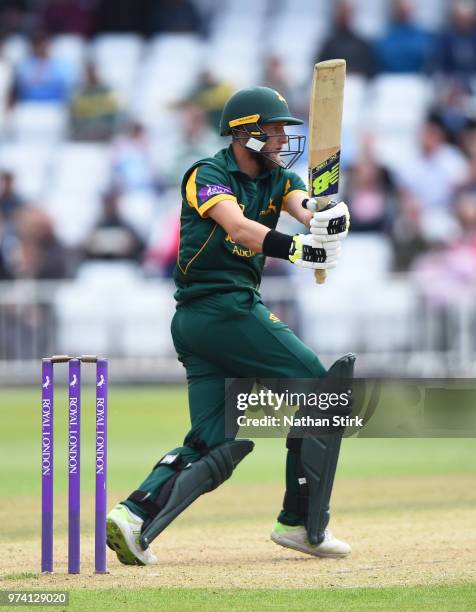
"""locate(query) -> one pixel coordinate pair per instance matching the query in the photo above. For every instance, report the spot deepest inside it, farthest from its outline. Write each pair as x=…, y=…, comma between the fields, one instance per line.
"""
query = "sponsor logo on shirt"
x=209, y=191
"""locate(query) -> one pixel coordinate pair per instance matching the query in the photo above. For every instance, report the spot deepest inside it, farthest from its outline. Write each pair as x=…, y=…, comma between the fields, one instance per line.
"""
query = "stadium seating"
x=397, y=107
x=86, y=321
x=82, y=167
x=366, y=315
x=117, y=57
x=71, y=49
x=31, y=163
x=37, y=122
x=6, y=74
x=140, y=210
x=364, y=309
x=15, y=48
x=371, y=17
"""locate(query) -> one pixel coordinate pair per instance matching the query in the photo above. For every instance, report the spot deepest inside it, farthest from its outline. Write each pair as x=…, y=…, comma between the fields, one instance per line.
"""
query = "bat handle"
x=320, y=276
x=322, y=204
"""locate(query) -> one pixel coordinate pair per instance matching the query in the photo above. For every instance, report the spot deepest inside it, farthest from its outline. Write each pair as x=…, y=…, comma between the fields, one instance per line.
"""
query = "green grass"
x=19, y=576
x=147, y=422
x=438, y=599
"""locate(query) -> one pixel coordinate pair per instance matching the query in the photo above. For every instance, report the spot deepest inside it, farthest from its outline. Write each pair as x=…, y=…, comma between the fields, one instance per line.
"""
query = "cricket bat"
x=325, y=127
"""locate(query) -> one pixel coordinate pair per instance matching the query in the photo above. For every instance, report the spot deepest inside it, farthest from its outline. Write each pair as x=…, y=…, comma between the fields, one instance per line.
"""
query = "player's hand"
x=332, y=223
x=309, y=251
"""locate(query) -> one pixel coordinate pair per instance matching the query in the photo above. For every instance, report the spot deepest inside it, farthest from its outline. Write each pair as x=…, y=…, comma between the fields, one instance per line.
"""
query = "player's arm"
x=247, y=232
x=295, y=208
x=303, y=250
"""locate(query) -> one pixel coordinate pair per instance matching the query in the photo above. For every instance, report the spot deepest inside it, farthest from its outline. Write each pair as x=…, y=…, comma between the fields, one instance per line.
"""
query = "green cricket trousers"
x=230, y=335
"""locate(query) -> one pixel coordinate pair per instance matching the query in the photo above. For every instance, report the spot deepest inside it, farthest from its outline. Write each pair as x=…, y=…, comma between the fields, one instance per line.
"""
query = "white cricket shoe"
x=123, y=531
x=296, y=538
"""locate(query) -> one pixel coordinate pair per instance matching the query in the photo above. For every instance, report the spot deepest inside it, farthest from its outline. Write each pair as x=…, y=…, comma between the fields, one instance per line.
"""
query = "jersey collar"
x=230, y=161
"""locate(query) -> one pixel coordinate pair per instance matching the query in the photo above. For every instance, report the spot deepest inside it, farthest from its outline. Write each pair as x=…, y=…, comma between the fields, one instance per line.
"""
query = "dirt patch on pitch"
x=404, y=531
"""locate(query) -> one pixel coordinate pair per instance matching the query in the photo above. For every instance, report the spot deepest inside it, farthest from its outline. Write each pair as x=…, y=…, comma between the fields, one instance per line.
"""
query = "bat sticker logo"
x=325, y=177
x=46, y=384
x=279, y=96
x=101, y=382
x=74, y=382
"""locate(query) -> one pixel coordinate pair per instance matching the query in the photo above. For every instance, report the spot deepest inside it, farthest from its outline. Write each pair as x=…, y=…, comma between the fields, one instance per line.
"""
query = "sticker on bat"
x=325, y=177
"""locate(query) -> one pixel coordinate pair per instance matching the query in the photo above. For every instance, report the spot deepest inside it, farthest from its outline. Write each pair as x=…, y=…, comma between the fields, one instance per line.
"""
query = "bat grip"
x=320, y=276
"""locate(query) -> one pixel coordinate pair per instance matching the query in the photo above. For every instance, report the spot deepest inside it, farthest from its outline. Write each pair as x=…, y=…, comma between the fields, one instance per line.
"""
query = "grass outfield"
x=449, y=598
x=145, y=423
x=416, y=598
x=389, y=493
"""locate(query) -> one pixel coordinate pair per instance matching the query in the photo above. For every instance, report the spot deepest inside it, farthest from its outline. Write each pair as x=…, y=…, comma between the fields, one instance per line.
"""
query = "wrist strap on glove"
x=277, y=244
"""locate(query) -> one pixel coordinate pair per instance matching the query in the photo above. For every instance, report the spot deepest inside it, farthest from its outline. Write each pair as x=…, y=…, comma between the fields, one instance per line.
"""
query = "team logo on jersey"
x=272, y=208
x=209, y=191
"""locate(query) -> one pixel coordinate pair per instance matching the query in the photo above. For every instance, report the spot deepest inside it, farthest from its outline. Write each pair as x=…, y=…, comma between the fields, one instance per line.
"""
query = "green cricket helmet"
x=255, y=105
x=248, y=110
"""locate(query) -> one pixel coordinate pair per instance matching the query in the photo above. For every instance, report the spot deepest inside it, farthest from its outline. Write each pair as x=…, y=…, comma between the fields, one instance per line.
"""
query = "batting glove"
x=310, y=251
x=332, y=223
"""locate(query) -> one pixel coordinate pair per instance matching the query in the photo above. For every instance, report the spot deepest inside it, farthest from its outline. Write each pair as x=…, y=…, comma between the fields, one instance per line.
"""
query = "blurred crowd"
x=423, y=207
x=90, y=17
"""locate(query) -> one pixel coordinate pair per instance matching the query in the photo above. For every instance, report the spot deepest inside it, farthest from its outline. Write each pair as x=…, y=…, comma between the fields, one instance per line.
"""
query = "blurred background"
x=105, y=103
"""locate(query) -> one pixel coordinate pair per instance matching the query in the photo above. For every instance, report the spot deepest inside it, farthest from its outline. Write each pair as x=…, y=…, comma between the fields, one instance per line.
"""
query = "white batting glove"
x=331, y=223
x=309, y=251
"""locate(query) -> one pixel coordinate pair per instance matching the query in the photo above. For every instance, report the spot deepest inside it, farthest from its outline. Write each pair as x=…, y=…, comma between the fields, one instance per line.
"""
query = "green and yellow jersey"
x=209, y=261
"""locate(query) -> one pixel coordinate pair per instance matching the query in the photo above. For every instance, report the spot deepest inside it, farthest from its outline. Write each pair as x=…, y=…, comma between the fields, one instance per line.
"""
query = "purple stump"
x=74, y=466
x=101, y=466
x=47, y=466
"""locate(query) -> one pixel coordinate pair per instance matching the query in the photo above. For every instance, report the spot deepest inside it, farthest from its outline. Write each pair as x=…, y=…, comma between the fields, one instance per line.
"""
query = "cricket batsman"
x=221, y=329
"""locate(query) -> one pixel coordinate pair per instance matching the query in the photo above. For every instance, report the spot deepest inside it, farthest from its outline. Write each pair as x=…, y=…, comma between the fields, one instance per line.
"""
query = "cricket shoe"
x=296, y=538
x=123, y=530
